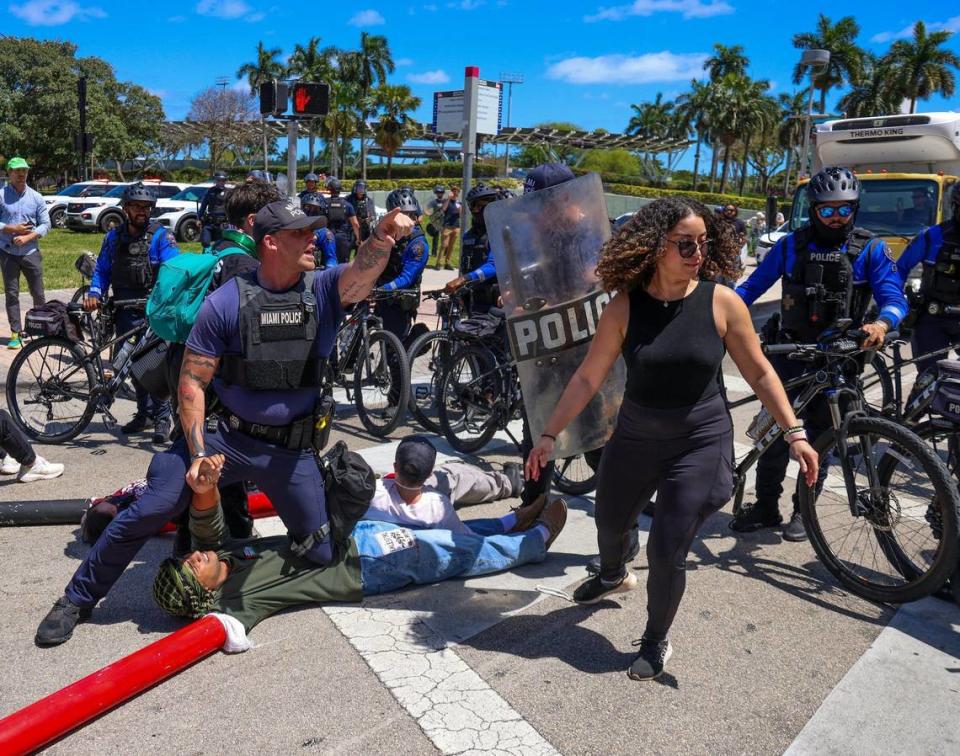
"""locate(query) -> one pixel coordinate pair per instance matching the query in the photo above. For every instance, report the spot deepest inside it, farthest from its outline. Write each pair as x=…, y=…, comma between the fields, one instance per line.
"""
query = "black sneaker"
x=593, y=566
x=794, y=530
x=595, y=590
x=515, y=473
x=651, y=660
x=136, y=425
x=57, y=626
x=756, y=517
x=161, y=430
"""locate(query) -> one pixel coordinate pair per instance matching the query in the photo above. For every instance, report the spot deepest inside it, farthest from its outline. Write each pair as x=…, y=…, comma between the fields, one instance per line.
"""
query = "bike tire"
x=878, y=385
x=392, y=347
x=480, y=362
x=17, y=401
x=79, y=295
x=425, y=408
x=570, y=484
x=917, y=584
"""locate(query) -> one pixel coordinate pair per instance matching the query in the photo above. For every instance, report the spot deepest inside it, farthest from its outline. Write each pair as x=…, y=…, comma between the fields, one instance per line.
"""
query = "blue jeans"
x=392, y=556
x=155, y=409
x=290, y=478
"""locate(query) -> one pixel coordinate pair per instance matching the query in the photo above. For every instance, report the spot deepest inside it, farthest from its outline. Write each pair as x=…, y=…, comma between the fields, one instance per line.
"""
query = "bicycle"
x=370, y=364
x=887, y=528
x=56, y=385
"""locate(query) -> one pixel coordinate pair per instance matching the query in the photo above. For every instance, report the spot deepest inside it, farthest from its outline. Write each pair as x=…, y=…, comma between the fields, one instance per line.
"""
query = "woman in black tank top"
x=673, y=325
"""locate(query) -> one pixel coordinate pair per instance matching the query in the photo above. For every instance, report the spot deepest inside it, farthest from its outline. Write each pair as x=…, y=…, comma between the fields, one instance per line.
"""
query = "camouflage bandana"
x=177, y=591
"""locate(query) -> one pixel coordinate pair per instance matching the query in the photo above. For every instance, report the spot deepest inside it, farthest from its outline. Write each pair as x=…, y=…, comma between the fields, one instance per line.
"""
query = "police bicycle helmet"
x=359, y=185
x=404, y=199
x=139, y=193
x=834, y=184
x=334, y=185
x=480, y=193
x=311, y=177
x=314, y=202
x=439, y=189
x=219, y=176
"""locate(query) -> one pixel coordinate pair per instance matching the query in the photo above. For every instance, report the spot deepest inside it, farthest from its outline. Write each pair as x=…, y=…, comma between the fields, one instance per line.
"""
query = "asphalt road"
x=770, y=653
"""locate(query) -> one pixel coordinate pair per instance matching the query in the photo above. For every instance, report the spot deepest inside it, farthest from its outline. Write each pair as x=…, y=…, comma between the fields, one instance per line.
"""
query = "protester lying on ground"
x=250, y=580
x=18, y=458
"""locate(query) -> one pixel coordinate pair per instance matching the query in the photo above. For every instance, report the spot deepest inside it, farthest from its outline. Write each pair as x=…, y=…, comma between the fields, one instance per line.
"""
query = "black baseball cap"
x=415, y=459
x=283, y=215
x=546, y=175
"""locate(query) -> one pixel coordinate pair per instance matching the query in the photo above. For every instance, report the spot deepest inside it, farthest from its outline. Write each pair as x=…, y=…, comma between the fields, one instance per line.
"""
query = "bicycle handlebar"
x=847, y=343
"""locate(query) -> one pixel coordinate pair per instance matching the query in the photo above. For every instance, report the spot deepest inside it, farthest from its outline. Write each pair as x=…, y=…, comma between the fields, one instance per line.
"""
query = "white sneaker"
x=9, y=466
x=41, y=470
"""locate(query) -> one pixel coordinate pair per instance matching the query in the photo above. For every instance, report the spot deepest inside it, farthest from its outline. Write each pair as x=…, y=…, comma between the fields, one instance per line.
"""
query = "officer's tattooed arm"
x=359, y=276
x=196, y=372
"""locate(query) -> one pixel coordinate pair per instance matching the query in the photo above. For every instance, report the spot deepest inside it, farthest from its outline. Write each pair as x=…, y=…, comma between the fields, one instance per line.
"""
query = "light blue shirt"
x=16, y=208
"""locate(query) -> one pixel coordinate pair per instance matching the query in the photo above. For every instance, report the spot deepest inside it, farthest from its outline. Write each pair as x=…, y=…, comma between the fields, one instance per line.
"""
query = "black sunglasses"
x=688, y=247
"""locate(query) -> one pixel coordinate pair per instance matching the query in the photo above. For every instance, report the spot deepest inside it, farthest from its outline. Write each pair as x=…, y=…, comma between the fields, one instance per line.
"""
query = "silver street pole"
x=292, y=130
x=470, y=96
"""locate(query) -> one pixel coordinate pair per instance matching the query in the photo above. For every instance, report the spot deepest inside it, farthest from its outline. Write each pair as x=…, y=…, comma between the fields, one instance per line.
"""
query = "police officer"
x=435, y=217
x=261, y=340
x=829, y=269
x=476, y=257
x=310, y=182
x=342, y=220
x=213, y=210
x=325, y=245
x=404, y=269
x=938, y=248
x=363, y=206
x=129, y=258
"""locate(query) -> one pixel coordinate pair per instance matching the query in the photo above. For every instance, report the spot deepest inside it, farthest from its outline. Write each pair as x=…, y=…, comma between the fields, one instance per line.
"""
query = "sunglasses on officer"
x=688, y=247
x=828, y=211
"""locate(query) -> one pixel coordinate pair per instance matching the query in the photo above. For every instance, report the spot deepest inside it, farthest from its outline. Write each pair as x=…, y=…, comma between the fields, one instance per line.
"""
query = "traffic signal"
x=273, y=98
x=311, y=99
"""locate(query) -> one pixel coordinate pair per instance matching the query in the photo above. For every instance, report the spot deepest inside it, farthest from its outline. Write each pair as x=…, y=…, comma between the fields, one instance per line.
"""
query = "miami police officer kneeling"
x=261, y=340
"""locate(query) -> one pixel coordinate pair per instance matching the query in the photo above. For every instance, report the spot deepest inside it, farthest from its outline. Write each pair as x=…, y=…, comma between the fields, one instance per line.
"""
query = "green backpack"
x=182, y=283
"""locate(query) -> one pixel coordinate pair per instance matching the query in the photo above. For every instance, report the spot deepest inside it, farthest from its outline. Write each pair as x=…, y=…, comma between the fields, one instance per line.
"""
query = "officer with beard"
x=829, y=270
x=213, y=210
x=363, y=206
x=476, y=257
x=128, y=263
x=938, y=248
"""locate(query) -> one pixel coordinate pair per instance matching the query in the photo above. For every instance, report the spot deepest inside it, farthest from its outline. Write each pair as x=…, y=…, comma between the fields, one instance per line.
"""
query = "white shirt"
x=432, y=511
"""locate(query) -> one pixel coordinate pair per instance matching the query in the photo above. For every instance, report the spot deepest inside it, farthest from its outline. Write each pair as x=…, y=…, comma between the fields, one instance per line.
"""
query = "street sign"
x=448, y=115
x=311, y=99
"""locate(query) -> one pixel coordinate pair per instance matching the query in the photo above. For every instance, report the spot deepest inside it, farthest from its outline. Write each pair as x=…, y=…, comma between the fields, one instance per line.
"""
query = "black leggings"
x=685, y=456
x=13, y=442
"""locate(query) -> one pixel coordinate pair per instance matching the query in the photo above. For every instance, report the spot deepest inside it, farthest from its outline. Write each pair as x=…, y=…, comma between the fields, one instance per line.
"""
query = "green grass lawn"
x=61, y=247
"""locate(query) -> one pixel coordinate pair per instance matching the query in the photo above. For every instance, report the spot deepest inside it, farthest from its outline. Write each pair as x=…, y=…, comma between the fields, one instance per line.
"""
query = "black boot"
x=57, y=626
x=136, y=425
x=756, y=517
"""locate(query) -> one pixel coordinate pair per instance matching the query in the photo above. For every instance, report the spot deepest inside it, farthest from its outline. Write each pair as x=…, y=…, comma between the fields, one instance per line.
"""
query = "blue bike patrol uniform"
x=404, y=271
x=938, y=250
x=326, y=248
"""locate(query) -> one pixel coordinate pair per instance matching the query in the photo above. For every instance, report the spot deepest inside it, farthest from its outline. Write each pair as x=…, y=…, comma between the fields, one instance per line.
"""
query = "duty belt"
x=296, y=435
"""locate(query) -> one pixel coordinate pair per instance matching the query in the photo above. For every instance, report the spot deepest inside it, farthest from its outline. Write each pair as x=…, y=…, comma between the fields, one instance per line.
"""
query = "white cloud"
x=403, y=62
x=367, y=18
x=223, y=8
x=255, y=17
x=466, y=4
x=429, y=77
x=688, y=8
x=54, y=12
x=950, y=25
x=629, y=69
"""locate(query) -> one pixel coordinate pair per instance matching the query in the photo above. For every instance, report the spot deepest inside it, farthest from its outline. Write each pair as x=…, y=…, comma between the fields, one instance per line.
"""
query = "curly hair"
x=630, y=257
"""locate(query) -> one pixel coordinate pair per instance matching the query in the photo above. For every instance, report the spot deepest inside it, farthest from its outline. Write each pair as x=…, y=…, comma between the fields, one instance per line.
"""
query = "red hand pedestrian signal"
x=311, y=99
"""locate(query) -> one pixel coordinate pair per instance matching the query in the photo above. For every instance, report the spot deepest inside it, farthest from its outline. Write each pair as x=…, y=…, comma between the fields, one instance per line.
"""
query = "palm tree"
x=375, y=63
x=846, y=57
x=394, y=103
x=310, y=62
x=726, y=60
x=920, y=67
x=876, y=94
x=655, y=120
x=264, y=69
x=693, y=109
x=741, y=109
x=793, y=113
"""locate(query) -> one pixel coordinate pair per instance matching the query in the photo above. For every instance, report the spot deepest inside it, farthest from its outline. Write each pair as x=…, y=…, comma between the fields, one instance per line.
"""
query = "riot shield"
x=546, y=245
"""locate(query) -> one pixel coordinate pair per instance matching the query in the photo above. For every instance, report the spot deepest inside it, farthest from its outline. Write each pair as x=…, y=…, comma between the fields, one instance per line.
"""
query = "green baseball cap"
x=16, y=162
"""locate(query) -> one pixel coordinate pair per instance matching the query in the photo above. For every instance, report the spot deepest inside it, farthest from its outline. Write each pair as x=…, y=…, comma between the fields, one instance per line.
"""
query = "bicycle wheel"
x=574, y=476
x=469, y=391
x=877, y=385
x=427, y=356
x=884, y=546
x=50, y=390
x=381, y=383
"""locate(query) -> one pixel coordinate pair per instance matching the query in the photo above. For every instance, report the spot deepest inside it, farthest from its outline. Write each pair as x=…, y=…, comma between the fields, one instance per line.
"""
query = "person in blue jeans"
x=250, y=580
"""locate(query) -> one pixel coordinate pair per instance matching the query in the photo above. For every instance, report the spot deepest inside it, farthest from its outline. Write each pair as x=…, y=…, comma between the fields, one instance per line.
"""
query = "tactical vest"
x=217, y=206
x=277, y=335
x=364, y=208
x=395, y=263
x=473, y=254
x=131, y=271
x=336, y=211
x=820, y=287
x=941, y=281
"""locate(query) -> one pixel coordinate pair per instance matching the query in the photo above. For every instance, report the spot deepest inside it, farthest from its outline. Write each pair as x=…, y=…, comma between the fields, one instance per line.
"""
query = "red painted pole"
x=257, y=502
x=40, y=723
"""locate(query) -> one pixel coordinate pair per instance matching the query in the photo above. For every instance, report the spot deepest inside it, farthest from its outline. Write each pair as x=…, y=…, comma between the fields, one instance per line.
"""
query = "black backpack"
x=349, y=484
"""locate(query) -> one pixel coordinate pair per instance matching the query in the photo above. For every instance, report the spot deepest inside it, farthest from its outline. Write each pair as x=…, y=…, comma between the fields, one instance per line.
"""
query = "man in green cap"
x=23, y=220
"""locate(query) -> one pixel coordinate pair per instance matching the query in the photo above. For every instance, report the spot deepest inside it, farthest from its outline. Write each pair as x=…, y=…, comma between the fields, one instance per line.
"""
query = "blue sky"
x=583, y=61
